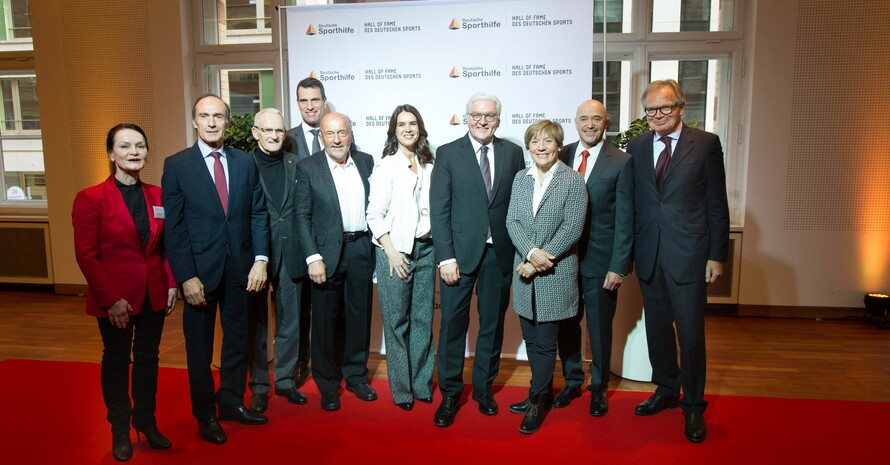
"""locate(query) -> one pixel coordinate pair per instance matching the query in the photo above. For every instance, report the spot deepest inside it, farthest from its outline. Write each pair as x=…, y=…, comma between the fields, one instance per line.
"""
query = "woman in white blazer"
x=399, y=220
x=545, y=218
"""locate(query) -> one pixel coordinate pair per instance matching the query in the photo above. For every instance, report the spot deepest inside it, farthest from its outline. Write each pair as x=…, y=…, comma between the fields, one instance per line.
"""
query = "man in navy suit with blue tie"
x=682, y=237
x=217, y=242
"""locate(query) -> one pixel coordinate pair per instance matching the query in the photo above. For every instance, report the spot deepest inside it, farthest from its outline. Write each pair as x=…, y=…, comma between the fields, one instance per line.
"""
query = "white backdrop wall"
x=534, y=55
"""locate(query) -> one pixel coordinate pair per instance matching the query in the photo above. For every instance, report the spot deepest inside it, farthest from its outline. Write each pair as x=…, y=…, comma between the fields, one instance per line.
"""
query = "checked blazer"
x=555, y=229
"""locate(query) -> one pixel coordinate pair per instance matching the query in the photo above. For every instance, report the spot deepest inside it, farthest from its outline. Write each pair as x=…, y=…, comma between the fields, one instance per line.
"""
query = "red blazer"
x=110, y=253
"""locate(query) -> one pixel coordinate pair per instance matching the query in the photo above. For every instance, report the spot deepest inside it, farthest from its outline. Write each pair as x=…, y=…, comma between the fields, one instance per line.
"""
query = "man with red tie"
x=217, y=241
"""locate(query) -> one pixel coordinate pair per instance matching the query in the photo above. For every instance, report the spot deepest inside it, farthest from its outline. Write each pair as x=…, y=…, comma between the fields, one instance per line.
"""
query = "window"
x=246, y=88
x=692, y=15
x=21, y=148
x=699, y=43
x=236, y=21
x=15, y=26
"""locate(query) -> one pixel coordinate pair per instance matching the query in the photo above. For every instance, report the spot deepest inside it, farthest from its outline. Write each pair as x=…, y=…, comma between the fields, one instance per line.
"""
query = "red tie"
x=583, y=168
x=219, y=178
x=661, y=165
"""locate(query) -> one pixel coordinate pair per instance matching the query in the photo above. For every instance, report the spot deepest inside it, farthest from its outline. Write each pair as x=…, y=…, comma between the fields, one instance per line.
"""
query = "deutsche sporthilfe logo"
x=311, y=31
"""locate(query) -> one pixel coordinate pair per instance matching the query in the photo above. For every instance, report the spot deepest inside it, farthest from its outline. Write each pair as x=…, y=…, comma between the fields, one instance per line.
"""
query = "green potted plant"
x=238, y=134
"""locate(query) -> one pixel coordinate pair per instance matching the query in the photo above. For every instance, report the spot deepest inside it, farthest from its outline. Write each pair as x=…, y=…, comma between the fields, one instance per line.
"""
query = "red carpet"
x=54, y=415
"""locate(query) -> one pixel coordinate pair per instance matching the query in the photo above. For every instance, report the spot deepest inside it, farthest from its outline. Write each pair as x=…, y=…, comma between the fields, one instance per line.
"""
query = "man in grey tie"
x=469, y=195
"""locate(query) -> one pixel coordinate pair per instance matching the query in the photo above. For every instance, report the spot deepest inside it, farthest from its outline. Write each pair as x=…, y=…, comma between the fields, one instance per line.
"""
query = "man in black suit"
x=682, y=238
x=304, y=140
x=469, y=196
x=287, y=267
x=332, y=197
x=604, y=250
x=217, y=241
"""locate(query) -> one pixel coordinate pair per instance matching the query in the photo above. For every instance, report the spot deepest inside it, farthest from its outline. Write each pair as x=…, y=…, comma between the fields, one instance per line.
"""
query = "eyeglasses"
x=489, y=117
x=270, y=131
x=665, y=110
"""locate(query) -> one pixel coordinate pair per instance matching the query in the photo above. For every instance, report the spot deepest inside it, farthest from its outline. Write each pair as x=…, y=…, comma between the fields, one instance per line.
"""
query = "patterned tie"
x=219, y=178
x=316, y=147
x=485, y=168
x=661, y=165
x=583, y=168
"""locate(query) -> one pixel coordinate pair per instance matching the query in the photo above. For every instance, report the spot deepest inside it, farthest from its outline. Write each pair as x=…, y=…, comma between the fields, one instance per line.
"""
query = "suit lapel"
x=301, y=140
x=116, y=203
x=499, y=168
x=150, y=203
x=289, y=168
x=647, y=152
x=602, y=160
x=471, y=164
x=684, y=147
x=202, y=176
x=235, y=174
x=329, y=188
x=559, y=170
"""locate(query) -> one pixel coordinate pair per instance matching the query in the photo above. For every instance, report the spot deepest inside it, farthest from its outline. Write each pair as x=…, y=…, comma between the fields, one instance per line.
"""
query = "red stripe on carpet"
x=55, y=415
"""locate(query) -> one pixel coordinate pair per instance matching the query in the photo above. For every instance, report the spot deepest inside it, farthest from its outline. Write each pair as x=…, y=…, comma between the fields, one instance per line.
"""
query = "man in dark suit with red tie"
x=217, y=241
x=682, y=238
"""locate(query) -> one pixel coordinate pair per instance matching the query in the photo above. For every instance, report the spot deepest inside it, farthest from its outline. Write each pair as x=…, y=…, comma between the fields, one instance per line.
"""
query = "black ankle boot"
x=538, y=406
x=155, y=439
x=121, y=447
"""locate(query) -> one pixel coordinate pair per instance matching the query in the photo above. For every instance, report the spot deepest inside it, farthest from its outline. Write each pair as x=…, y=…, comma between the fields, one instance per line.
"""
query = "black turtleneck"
x=271, y=169
x=135, y=200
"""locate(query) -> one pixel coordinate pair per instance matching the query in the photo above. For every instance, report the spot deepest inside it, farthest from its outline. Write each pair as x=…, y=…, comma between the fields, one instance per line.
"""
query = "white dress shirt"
x=593, y=152
x=540, y=188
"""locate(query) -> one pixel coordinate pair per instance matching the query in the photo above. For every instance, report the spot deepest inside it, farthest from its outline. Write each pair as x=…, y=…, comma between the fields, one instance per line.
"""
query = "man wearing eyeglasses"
x=217, y=240
x=286, y=270
x=469, y=196
x=332, y=197
x=682, y=238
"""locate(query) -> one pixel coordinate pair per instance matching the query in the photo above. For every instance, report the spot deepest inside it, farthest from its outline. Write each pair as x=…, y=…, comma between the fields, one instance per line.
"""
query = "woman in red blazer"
x=118, y=241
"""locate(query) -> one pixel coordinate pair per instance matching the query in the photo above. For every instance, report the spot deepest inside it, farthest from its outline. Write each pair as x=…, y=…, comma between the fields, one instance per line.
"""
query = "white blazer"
x=393, y=206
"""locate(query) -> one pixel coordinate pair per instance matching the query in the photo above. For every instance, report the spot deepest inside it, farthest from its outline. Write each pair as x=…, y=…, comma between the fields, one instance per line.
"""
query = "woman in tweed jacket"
x=547, y=209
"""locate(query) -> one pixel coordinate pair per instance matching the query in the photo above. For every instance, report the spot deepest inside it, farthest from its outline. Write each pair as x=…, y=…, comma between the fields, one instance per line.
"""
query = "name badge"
x=159, y=212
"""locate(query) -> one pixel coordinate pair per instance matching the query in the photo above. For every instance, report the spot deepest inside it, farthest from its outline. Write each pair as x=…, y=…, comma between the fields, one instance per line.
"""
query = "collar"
x=593, y=151
x=477, y=145
x=675, y=135
x=206, y=149
x=332, y=164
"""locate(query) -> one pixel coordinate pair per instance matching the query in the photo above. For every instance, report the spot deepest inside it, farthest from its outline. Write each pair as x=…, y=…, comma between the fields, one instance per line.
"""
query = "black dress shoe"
x=405, y=405
x=330, y=401
x=259, y=403
x=446, y=411
x=363, y=391
x=696, y=430
x=293, y=395
x=212, y=431
x=300, y=375
x=425, y=400
x=487, y=405
x=155, y=439
x=121, y=447
x=520, y=407
x=599, y=404
x=656, y=404
x=566, y=396
x=242, y=415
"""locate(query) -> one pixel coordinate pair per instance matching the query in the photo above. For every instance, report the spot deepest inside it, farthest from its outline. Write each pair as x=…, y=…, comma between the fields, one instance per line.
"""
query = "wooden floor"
x=771, y=357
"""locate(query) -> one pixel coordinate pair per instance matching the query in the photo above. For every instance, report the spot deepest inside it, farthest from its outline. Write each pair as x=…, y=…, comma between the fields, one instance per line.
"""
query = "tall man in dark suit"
x=332, y=197
x=604, y=250
x=217, y=241
x=287, y=267
x=304, y=140
x=682, y=238
x=469, y=196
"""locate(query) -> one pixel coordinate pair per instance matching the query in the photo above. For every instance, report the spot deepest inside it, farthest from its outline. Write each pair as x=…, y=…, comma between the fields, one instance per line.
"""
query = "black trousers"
x=599, y=306
x=668, y=304
x=493, y=294
x=540, y=345
x=341, y=319
x=143, y=334
x=198, y=327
